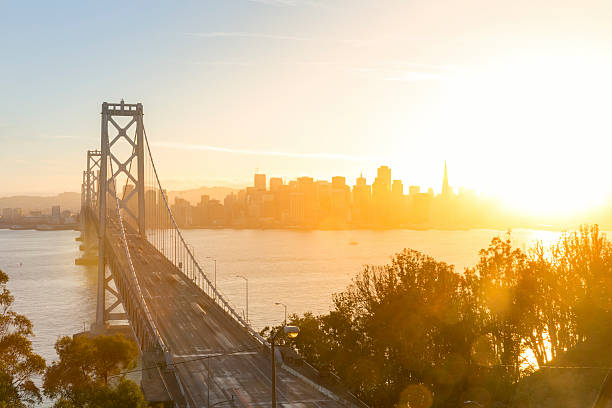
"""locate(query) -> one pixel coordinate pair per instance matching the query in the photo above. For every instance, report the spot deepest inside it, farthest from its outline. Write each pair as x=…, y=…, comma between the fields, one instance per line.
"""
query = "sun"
x=534, y=131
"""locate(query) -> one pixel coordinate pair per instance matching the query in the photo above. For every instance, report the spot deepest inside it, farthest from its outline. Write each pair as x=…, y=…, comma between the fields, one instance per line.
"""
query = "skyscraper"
x=259, y=180
x=446, y=191
x=361, y=181
x=383, y=176
x=338, y=182
x=275, y=183
x=362, y=196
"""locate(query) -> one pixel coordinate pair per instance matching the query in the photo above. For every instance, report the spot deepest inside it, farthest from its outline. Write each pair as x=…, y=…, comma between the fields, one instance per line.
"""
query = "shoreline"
x=41, y=227
x=400, y=228
x=76, y=227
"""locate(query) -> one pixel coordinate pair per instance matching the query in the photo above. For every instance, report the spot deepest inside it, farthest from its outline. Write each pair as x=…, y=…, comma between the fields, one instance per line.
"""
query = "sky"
x=514, y=95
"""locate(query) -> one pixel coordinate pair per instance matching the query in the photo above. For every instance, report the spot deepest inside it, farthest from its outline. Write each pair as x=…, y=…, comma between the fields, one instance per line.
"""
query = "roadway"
x=202, y=338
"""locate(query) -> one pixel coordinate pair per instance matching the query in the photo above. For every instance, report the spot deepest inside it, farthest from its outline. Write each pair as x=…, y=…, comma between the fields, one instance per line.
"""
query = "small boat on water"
x=20, y=227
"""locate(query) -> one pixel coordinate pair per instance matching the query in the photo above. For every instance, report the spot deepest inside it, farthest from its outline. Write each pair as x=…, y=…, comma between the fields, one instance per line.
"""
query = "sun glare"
x=536, y=131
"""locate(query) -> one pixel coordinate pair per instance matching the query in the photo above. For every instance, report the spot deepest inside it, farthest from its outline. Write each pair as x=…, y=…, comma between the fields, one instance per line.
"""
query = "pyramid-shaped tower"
x=446, y=190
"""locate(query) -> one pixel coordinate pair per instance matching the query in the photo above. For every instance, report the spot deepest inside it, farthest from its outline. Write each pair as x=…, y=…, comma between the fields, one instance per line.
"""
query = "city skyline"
x=255, y=84
x=498, y=213
x=386, y=202
x=306, y=203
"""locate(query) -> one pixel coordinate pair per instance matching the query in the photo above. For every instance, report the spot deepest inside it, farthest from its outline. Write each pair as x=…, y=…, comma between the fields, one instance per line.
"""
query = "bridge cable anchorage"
x=219, y=298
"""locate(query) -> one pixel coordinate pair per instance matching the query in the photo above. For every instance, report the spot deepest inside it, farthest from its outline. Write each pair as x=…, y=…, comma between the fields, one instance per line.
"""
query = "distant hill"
x=67, y=201
x=72, y=201
x=193, y=196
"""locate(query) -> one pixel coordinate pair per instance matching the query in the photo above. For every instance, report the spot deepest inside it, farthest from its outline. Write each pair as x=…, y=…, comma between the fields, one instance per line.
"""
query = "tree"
x=81, y=376
x=18, y=362
x=396, y=334
x=416, y=333
x=501, y=291
x=126, y=394
x=113, y=354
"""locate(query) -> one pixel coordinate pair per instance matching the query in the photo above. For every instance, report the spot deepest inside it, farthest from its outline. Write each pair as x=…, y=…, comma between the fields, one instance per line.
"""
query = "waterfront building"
x=275, y=184
x=56, y=215
x=296, y=207
x=383, y=176
x=182, y=212
x=259, y=181
x=362, y=199
x=306, y=186
x=381, y=189
x=340, y=199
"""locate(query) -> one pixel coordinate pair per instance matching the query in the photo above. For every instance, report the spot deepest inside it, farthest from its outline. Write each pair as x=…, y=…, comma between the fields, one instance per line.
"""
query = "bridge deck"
x=194, y=328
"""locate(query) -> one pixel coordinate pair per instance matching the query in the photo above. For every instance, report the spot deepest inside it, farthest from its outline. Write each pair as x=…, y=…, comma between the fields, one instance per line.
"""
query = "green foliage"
x=18, y=362
x=415, y=333
x=126, y=394
x=81, y=376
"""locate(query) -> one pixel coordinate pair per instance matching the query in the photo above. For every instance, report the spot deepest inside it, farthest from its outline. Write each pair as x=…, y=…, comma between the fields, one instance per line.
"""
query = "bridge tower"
x=108, y=196
x=89, y=197
x=89, y=188
x=91, y=178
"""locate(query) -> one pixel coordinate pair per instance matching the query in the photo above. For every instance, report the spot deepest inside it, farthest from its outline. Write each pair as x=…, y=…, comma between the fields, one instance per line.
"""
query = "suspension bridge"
x=197, y=350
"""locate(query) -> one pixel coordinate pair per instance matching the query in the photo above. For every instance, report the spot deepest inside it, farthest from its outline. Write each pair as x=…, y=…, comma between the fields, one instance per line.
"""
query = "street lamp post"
x=285, y=306
x=247, y=296
x=215, y=261
x=291, y=332
x=192, y=250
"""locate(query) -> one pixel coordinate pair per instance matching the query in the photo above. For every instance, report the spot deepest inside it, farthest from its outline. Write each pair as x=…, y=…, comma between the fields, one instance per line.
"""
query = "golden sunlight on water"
x=302, y=269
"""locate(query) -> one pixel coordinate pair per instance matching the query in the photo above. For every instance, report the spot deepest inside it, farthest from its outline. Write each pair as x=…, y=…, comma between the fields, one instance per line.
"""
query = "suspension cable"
x=177, y=234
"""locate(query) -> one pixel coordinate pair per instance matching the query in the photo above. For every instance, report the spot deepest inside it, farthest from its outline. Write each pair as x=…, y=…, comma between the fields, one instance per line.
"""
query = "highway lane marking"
x=292, y=404
x=204, y=355
x=196, y=305
x=267, y=380
x=241, y=397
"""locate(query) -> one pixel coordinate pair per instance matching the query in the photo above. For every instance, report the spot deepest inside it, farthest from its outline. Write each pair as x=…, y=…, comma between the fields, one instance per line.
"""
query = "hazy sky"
x=515, y=95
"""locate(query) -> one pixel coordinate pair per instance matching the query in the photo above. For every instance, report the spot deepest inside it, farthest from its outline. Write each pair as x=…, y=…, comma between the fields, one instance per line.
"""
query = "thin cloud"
x=310, y=3
x=433, y=67
x=58, y=137
x=406, y=75
x=381, y=74
x=226, y=63
x=415, y=76
x=324, y=156
x=269, y=63
x=280, y=37
x=244, y=34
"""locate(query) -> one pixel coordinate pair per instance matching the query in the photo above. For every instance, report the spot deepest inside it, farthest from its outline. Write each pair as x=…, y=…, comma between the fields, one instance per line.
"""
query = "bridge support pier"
x=152, y=382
